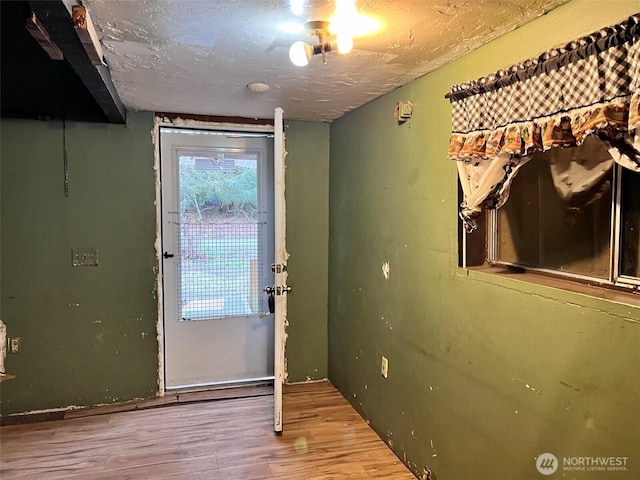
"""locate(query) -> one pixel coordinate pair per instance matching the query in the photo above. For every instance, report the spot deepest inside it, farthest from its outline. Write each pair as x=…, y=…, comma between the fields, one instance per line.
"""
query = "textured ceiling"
x=197, y=56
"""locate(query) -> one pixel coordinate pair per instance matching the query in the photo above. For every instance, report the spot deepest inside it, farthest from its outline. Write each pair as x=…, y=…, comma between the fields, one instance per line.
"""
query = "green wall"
x=307, y=196
x=88, y=333
x=485, y=372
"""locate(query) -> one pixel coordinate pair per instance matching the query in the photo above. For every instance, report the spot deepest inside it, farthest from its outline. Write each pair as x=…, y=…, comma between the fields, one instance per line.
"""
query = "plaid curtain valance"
x=590, y=86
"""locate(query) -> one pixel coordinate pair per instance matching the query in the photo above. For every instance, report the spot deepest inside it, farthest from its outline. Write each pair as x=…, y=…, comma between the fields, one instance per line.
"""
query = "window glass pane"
x=476, y=242
x=219, y=236
x=630, y=228
x=563, y=226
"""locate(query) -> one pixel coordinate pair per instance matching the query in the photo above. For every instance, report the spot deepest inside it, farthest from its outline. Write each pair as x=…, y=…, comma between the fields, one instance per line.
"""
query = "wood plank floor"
x=324, y=439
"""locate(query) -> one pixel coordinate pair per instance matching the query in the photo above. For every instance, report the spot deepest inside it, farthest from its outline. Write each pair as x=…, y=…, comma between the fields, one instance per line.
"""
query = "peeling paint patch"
x=526, y=385
x=533, y=389
x=569, y=386
x=386, y=270
x=590, y=422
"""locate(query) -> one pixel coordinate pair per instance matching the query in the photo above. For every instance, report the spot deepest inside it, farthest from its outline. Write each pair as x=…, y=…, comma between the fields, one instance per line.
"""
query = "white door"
x=280, y=267
x=217, y=244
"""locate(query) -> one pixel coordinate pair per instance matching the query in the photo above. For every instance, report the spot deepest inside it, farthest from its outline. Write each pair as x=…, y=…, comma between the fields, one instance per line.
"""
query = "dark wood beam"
x=57, y=20
x=40, y=35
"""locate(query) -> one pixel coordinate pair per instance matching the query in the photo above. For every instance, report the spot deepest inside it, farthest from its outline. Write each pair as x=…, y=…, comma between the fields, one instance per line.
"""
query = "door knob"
x=271, y=299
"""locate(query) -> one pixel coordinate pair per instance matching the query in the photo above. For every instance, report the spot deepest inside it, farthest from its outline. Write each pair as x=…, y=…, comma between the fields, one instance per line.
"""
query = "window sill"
x=498, y=274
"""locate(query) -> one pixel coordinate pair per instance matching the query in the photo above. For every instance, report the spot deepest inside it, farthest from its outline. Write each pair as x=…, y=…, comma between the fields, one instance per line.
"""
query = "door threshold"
x=224, y=393
x=212, y=386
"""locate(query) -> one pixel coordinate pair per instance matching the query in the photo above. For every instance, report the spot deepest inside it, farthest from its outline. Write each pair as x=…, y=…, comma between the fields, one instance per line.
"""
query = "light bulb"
x=300, y=53
x=345, y=43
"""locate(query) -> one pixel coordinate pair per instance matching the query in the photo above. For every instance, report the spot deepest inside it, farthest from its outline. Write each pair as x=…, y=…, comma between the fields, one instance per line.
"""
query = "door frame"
x=266, y=127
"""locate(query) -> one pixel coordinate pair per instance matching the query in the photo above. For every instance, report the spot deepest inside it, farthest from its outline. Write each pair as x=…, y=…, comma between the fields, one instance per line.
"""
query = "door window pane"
x=219, y=264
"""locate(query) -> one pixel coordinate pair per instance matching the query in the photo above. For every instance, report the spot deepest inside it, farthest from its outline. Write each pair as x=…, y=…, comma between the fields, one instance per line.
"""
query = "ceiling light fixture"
x=338, y=33
x=301, y=52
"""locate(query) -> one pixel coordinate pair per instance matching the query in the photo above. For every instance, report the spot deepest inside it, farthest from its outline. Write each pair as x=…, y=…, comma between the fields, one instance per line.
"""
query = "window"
x=630, y=225
x=571, y=212
x=574, y=208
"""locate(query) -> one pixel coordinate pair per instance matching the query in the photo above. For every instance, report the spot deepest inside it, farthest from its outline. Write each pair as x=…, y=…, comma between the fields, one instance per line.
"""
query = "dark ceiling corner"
x=35, y=86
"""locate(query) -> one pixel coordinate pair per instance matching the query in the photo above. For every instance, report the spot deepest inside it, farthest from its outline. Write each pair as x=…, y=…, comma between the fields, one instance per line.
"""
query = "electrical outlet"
x=14, y=345
x=384, y=368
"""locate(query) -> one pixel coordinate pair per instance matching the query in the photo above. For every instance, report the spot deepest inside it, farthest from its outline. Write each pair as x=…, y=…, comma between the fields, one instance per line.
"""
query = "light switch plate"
x=384, y=367
x=405, y=110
